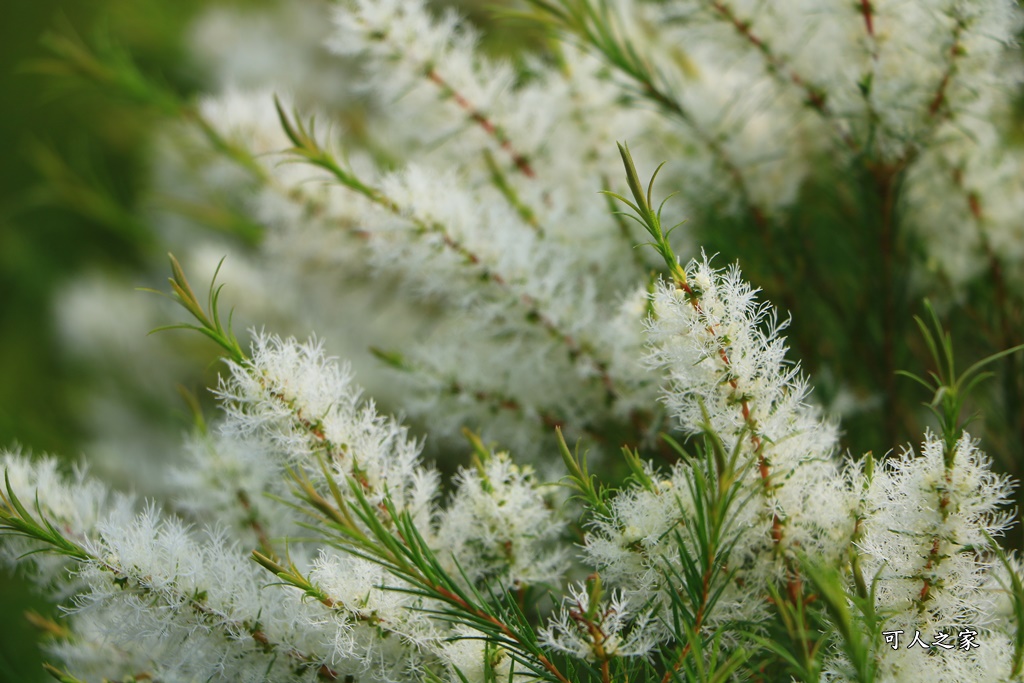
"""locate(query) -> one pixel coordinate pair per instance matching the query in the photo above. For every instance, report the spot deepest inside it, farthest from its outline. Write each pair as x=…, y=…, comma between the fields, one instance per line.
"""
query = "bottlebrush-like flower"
x=588, y=627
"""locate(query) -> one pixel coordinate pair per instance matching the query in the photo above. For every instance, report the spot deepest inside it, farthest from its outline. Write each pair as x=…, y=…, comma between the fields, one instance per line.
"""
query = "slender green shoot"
x=210, y=323
x=950, y=390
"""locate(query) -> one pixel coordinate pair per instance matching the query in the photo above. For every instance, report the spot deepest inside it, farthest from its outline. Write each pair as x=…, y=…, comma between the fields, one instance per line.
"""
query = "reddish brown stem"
x=814, y=96
x=744, y=405
x=867, y=11
x=940, y=92
x=794, y=584
x=533, y=311
x=934, y=554
x=938, y=110
x=521, y=162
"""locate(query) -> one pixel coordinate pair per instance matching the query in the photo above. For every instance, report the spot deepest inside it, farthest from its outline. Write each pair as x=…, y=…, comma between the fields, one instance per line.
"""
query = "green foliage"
x=649, y=217
x=704, y=545
x=69, y=179
x=210, y=323
x=580, y=480
x=1014, y=587
x=949, y=390
x=17, y=520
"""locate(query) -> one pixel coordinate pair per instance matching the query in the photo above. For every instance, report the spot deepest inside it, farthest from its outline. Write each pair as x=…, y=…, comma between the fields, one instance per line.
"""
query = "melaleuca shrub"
x=633, y=478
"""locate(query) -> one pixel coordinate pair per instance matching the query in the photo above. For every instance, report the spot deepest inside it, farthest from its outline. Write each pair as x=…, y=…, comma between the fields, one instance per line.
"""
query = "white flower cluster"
x=922, y=525
x=464, y=239
x=724, y=358
x=599, y=631
x=772, y=85
x=468, y=223
x=925, y=523
x=498, y=523
x=298, y=405
x=153, y=594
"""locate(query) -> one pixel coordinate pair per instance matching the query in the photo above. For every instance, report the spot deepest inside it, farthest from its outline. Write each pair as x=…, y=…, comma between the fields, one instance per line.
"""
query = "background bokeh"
x=57, y=138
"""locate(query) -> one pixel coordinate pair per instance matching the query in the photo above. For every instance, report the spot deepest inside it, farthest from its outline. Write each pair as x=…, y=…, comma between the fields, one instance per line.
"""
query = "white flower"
x=596, y=632
x=500, y=528
x=301, y=406
x=926, y=527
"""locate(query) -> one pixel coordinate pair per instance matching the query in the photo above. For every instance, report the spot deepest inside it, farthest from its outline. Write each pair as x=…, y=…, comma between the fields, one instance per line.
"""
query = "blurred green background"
x=55, y=137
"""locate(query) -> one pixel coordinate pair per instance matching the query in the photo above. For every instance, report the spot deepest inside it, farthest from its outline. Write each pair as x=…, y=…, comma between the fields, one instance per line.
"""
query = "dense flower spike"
x=724, y=357
x=303, y=406
x=938, y=540
x=910, y=100
x=925, y=541
x=287, y=408
x=477, y=209
x=725, y=361
x=497, y=524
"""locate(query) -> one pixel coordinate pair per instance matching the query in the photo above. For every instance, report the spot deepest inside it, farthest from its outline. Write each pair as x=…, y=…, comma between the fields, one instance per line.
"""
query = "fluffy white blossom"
x=602, y=630
x=725, y=361
x=183, y=604
x=303, y=406
x=500, y=526
x=926, y=523
x=75, y=505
